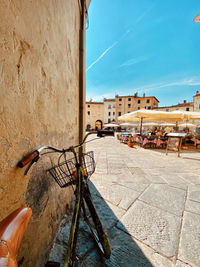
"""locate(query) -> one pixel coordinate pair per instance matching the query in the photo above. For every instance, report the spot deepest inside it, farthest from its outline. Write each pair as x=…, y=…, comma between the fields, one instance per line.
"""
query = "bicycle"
x=75, y=171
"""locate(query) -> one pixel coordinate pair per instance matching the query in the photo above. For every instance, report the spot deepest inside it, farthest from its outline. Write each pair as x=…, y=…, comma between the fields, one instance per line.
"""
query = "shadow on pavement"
x=125, y=251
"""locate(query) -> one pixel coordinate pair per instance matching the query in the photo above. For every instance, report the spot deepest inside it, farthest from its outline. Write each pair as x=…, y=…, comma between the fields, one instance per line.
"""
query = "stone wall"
x=39, y=67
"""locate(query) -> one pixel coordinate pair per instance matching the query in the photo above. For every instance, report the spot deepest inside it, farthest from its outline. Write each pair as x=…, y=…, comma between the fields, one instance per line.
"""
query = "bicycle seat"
x=12, y=229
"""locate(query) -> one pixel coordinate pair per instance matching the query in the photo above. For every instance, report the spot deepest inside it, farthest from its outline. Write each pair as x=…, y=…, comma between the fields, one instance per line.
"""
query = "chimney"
x=136, y=94
x=197, y=93
x=184, y=101
x=144, y=95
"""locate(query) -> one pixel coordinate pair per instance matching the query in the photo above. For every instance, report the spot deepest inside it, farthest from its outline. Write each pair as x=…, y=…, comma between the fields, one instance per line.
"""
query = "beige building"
x=126, y=104
x=186, y=106
x=40, y=104
x=196, y=100
x=94, y=115
x=109, y=110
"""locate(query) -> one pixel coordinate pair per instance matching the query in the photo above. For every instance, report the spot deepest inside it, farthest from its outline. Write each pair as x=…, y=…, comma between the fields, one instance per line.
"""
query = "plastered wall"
x=39, y=68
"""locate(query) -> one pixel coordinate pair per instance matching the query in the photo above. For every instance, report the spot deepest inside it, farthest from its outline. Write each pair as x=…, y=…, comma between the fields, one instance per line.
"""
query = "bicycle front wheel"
x=99, y=234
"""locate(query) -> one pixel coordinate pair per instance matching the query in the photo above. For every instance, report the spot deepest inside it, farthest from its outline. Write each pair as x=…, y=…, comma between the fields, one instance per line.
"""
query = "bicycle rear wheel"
x=99, y=234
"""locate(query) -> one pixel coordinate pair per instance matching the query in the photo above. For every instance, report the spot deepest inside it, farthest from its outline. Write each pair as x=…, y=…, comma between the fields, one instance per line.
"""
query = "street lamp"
x=197, y=19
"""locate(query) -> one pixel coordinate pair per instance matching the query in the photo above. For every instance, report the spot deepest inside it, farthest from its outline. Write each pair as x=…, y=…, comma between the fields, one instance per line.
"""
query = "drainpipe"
x=81, y=71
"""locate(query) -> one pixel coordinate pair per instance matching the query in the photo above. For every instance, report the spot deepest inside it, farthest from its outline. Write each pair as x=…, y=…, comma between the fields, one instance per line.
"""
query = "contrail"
x=106, y=51
x=102, y=55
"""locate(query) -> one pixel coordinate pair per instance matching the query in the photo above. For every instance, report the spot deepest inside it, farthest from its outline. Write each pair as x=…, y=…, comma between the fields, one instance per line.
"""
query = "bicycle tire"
x=101, y=238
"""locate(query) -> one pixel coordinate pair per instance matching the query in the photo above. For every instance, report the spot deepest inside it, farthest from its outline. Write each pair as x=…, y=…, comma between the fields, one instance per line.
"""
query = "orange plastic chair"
x=12, y=229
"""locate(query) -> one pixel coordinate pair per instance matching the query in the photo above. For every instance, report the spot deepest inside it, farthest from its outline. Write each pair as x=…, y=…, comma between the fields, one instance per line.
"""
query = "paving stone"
x=58, y=254
x=127, y=195
x=108, y=213
x=190, y=178
x=192, y=206
x=131, y=178
x=101, y=170
x=133, y=252
x=165, y=197
x=154, y=227
x=134, y=186
x=155, y=179
x=182, y=264
x=194, y=192
x=173, y=179
x=137, y=171
x=180, y=186
x=189, y=248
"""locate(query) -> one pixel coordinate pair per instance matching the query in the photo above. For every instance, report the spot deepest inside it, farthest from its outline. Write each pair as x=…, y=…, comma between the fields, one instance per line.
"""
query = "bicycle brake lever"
x=30, y=165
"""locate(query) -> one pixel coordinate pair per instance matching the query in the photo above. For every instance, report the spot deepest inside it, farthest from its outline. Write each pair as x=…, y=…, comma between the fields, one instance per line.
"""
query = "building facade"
x=39, y=92
x=186, y=106
x=109, y=110
x=196, y=100
x=126, y=104
x=94, y=115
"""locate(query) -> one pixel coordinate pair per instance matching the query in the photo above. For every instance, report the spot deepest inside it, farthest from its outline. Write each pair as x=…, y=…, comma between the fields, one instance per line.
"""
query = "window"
x=120, y=105
x=113, y=113
x=129, y=105
x=187, y=109
x=148, y=101
x=109, y=113
x=114, y=106
x=167, y=109
x=138, y=101
x=120, y=99
x=88, y=112
x=129, y=99
x=145, y=107
x=109, y=106
x=128, y=111
x=119, y=114
x=109, y=120
x=149, y=107
x=88, y=106
x=138, y=108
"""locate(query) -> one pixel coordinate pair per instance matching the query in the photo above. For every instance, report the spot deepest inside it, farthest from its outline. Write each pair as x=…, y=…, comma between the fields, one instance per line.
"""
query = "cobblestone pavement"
x=149, y=204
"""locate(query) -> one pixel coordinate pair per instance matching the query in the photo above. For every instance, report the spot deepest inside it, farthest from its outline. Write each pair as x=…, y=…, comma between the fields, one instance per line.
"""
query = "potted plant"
x=130, y=141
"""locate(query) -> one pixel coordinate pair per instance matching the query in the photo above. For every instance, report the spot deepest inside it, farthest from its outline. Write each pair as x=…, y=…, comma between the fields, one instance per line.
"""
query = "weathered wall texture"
x=39, y=68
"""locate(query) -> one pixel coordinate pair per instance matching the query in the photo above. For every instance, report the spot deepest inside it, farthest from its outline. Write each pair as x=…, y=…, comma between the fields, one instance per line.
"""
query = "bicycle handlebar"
x=35, y=155
x=31, y=156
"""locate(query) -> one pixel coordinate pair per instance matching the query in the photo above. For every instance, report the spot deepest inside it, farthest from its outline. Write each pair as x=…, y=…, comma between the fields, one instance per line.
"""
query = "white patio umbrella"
x=188, y=115
x=168, y=124
x=152, y=115
x=187, y=125
x=129, y=124
x=111, y=125
x=151, y=124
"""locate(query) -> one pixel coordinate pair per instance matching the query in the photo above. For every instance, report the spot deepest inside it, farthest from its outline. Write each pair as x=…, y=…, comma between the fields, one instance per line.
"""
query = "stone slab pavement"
x=149, y=204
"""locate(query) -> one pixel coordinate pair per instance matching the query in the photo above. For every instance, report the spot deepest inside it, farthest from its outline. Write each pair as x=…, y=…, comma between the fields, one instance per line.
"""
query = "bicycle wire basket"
x=64, y=173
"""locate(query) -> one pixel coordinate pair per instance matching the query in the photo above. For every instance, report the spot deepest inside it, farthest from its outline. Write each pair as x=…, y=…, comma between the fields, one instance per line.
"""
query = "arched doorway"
x=98, y=125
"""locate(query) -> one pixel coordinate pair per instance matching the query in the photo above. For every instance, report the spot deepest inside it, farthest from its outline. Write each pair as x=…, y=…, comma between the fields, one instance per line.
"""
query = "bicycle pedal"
x=52, y=264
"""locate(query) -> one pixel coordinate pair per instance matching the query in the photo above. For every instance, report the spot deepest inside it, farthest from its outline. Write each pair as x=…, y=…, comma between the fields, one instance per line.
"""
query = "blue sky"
x=144, y=46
